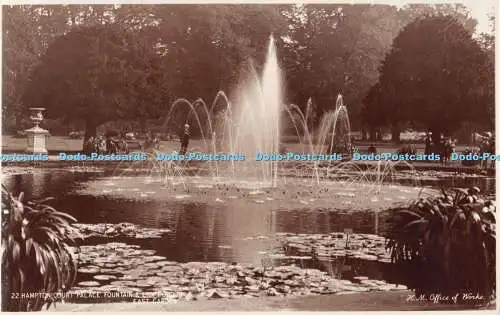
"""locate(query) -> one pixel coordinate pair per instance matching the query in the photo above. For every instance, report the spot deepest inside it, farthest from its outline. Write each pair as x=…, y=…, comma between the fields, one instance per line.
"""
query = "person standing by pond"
x=487, y=146
x=428, y=143
x=185, y=139
x=148, y=141
x=372, y=149
x=492, y=149
x=449, y=148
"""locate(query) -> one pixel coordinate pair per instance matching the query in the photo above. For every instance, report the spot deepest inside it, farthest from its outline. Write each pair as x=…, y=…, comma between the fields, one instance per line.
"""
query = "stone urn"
x=37, y=137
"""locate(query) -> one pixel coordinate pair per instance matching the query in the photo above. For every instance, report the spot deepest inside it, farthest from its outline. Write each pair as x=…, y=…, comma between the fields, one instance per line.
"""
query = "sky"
x=480, y=10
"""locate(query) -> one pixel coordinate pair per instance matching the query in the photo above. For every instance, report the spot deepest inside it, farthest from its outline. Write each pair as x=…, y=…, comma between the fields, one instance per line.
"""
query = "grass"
x=65, y=144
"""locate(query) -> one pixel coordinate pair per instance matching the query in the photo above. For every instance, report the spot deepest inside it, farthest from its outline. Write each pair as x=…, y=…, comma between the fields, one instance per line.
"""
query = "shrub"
x=446, y=244
x=37, y=258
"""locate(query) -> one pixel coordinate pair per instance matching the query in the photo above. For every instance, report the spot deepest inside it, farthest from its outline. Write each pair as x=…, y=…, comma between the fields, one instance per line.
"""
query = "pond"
x=224, y=223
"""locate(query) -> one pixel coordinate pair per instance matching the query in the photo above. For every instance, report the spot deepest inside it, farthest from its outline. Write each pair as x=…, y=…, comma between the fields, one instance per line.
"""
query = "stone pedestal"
x=37, y=137
x=37, y=140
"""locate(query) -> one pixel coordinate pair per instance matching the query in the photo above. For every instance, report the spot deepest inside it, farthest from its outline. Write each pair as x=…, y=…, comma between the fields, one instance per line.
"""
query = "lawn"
x=65, y=144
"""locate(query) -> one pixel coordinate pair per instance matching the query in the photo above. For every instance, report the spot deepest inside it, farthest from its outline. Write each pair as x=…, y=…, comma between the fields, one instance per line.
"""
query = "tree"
x=27, y=31
x=323, y=49
x=208, y=46
x=435, y=75
x=337, y=48
x=373, y=110
x=458, y=11
x=94, y=74
x=487, y=41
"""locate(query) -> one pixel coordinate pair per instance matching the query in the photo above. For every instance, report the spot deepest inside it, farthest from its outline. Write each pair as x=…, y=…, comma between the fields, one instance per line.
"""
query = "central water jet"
x=258, y=128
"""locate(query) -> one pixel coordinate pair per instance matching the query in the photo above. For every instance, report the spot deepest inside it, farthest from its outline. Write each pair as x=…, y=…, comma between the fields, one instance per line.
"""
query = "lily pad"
x=89, y=284
x=88, y=269
x=104, y=277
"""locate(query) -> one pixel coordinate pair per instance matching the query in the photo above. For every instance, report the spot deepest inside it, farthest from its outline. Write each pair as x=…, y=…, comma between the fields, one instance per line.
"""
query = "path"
x=371, y=301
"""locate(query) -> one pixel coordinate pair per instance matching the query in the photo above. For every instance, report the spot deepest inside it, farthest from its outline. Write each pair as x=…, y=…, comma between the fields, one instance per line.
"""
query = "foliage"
x=208, y=46
x=94, y=74
x=372, y=104
x=192, y=51
x=458, y=11
x=447, y=243
x=28, y=30
x=434, y=54
x=487, y=42
x=25, y=37
x=37, y=257
x=336, y=48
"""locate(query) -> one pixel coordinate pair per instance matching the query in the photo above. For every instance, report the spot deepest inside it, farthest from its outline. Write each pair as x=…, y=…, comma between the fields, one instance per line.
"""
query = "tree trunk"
x=143, y=125
x=436, y=135
x=90, y=130
x=373, y=134
x=436, y=140
x=395, y=133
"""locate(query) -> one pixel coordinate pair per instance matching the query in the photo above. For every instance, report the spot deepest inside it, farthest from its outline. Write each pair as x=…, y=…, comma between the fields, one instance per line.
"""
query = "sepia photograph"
x=314, y=156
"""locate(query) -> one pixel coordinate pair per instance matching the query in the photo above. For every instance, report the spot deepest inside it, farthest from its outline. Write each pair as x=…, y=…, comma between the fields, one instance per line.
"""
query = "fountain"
x=36, y=135
x=252, y=125
x=227, y=211
x=257, y=129
x=335, y=130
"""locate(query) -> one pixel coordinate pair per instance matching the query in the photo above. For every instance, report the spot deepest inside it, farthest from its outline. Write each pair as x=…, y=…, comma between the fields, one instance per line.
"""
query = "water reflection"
x=200, y=231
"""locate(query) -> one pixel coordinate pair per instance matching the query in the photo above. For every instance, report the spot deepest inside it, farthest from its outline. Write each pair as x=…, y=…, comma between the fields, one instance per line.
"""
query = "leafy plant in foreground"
x=446, y=244
x=37, y=258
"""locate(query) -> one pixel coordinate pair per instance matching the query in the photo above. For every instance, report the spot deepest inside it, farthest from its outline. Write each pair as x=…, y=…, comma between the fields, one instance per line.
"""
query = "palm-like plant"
x=447, y=243
x=37, y=258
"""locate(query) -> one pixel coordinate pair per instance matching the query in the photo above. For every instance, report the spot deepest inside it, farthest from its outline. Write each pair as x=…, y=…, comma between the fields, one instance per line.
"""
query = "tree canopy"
x=95, y=74
x=436, y=75
x=164, y=52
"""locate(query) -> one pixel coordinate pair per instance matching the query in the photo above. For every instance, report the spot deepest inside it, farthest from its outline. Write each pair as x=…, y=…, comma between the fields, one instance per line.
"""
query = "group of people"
x=108, y=144
x=445, y=147
x=113, y=142
x=152, y=141
x=486, y=144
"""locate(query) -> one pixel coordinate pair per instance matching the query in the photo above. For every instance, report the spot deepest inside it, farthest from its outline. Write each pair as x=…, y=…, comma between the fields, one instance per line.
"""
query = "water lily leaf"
x=44, y=200
x=415, y=222
x=411, y=213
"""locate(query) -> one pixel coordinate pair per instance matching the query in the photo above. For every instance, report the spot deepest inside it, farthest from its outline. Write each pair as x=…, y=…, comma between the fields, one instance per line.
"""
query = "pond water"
x=179, y=237
x=208, y=224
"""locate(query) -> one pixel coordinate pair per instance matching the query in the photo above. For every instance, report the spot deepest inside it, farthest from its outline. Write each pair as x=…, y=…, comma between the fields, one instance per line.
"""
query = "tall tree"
x=373, y=112
x=458, y=11
x=27, y=32
x=94, y=74
x=434, y=75
x=487, y=41
x=209, y=45
x=324, y=49
x=337, y=48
